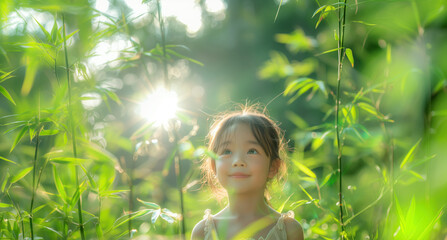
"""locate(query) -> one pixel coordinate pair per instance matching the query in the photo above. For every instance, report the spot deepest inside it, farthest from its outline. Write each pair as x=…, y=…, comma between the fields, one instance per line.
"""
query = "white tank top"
x=278, y=232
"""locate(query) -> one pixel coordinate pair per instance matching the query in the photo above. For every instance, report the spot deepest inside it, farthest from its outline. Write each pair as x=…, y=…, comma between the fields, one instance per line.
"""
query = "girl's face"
x=242, y=166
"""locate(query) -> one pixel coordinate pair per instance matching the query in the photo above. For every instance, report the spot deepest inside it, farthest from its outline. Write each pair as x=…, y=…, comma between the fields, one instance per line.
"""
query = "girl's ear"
x=274, y=167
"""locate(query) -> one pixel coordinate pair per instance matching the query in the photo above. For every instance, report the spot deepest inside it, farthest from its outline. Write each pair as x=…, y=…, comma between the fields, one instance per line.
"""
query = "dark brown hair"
x=264, y=129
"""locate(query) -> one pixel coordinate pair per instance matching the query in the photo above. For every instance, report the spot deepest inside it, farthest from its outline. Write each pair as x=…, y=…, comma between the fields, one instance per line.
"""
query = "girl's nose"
x=239, y=161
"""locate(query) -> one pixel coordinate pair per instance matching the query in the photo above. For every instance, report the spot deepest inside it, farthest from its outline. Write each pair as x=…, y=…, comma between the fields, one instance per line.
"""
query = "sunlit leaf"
x=68, y=160
x=280, y=209
x=7, y=160
x=47, y=34
x=167, y=218
x=20, y=175
x=348, y=52
x=19, y=137
x=59, y=185
x=409, y=155
x=305, y=169
x=6, y=94
x=150, y=204
x=155, y=215
x=4, y=205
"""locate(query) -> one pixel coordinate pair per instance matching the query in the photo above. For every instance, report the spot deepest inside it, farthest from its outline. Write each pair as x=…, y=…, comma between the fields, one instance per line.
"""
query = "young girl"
x=248, y=145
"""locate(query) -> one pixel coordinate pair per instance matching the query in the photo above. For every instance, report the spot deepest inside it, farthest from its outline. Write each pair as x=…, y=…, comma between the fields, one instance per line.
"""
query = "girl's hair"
x=264, y=129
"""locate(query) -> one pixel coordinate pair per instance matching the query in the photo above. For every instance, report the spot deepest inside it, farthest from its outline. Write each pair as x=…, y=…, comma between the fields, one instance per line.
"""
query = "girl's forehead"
x=236, y=130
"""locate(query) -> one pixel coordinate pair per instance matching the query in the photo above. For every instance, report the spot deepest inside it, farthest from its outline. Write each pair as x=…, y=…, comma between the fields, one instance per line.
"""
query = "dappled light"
x=120, y=119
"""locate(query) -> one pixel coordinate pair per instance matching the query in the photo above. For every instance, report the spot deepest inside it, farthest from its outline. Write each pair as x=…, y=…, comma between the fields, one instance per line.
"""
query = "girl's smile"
x=243, y=166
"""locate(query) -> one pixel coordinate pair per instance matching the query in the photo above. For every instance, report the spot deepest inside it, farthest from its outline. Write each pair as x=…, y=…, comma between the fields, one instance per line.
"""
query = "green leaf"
x=308, y=195
x=113, y=96
x=150, y=204
x=280, y=209
x=5, y=159
x=155, y=215
x=5, y=76
x=68, y=160
x=49, y=132
x=21, y=175
x=298, y=203
x=305, y=169
x=47, y=34
x=59, y=185
x=409, y=155
x=184, y=57
x=4, y=205
x=6, y=94
x=54, y=32
x=348, y=53
x=19, y=137
x=328, y=51
x=167, y=218
x=5, y=181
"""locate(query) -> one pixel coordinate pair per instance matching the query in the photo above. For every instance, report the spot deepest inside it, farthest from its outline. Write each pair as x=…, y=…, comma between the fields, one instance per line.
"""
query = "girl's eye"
x=252, y=151
x=226, y=152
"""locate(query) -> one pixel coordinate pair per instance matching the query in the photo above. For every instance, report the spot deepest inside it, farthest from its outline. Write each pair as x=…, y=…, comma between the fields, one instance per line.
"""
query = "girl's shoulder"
x=200, y=229
x=198, y=232
x=293, y=227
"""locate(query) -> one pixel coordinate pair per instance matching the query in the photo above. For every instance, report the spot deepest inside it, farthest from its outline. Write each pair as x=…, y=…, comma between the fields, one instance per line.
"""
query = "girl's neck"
x=244, y=206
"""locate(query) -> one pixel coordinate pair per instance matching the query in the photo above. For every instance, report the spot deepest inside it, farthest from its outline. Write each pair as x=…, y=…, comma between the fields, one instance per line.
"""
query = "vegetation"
x=359, y=87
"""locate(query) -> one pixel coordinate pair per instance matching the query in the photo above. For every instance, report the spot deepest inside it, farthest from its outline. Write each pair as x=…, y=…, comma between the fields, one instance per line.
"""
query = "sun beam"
x=159, y=107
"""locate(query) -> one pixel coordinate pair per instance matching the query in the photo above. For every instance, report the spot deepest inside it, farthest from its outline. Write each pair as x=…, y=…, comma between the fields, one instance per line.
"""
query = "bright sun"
x=159, y=107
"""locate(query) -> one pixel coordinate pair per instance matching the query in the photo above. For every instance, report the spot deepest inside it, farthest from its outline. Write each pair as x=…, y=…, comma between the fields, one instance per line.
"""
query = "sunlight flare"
x=159, y=107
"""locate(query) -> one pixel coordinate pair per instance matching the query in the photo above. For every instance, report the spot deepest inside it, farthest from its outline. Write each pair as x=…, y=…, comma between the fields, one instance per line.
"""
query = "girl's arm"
x=198, y=232
x=293, y=229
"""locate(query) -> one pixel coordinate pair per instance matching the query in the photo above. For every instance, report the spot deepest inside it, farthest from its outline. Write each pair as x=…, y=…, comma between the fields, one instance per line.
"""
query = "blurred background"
x=119, y=117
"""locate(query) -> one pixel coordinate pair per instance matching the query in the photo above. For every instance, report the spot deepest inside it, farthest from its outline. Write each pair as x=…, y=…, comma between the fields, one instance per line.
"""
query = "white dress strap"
x=210, y=229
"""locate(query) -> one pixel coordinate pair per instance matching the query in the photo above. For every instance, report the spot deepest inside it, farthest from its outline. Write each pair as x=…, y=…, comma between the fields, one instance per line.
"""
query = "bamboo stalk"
x=341, y=53
x=73, y=132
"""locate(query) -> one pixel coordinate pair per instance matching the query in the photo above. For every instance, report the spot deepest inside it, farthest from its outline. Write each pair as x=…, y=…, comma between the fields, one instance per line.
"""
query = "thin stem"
x=163, y=44
x=16, y=206
x=179, y=181
x=341, y=52
x=73, y=132
x=130, y=172
x=34, y=184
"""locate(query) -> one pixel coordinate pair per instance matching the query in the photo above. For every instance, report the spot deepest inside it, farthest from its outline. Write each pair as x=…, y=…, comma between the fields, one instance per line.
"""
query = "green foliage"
x=383, y=118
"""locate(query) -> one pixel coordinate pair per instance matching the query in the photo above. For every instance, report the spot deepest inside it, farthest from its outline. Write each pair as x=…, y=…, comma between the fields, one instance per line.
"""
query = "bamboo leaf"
x=150, y=204
x=184, y=57
x=155, y=215
x=280, y=209
x=6, y=94
x=4, y=205
x=7, y=160
x=54, y=32
x=5, y=76
x=298, y=203
x=167, y=218
x=20, y=175
x=19, y=137
x=348, y=53
x=5, y=181
x=308, y=195
x=59, y=185
x=49, y=132
x=409, y=155
x=68, y=160
x=47, y=34
x=328, y=51
x=305, y=169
